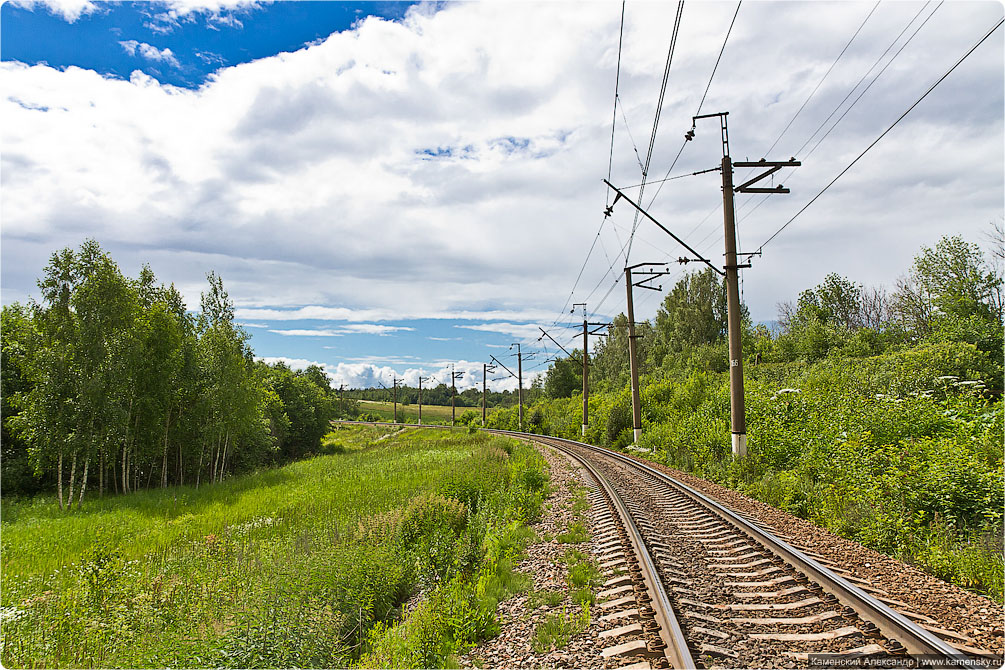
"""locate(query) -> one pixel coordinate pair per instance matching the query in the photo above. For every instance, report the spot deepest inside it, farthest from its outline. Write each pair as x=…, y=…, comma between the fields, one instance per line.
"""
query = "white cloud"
x=322, y=313
x=350, y=329
x=449, y=165
x=368, y=374
x=150, y=52
x=69, y=10
x=519, y=331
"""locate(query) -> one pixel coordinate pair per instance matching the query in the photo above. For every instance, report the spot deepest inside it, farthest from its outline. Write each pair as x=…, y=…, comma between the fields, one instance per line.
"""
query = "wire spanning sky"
x=386, y=188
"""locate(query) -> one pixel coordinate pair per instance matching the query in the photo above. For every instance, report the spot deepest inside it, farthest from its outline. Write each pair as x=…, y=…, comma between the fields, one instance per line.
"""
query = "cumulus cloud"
x=351, y=329
x=150, y=52
x=449, y=165
x=371, y=374
x=69, y=10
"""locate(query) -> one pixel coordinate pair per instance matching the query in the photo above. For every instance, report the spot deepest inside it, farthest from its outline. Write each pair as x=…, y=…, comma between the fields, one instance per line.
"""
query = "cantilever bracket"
x=774, y=166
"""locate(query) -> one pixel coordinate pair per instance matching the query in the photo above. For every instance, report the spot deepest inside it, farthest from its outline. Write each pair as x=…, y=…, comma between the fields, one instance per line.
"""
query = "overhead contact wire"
x=884, y=133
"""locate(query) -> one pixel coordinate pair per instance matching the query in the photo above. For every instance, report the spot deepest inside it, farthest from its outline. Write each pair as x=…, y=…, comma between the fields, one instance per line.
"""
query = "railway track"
x=698, y=585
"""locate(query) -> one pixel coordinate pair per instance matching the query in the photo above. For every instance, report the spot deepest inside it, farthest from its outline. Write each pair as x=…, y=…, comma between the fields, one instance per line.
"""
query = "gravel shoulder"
x=522, y=614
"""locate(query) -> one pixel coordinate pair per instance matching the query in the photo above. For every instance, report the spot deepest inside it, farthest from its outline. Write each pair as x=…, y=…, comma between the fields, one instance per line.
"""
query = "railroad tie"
x=620, y=580
x=806, y=637
x=770, y=594
x=711, y=633
x=620, y=602
x=616, y=591
x=714, y=650
x=622, y=631
x=790, y=621
x=632, y=613
x=867, y=650
x=633, y=648
x=641, y=665
x=771, y=582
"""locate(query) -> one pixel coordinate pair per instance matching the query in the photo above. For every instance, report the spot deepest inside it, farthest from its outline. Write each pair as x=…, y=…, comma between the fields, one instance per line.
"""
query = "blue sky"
x=387, y=188
x=180, y=50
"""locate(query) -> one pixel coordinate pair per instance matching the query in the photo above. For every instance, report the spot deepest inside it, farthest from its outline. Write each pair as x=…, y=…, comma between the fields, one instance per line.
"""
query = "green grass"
x=554, y=632
x=288, y=567
x=410, y=413
x=549, y=597
x=574, y=534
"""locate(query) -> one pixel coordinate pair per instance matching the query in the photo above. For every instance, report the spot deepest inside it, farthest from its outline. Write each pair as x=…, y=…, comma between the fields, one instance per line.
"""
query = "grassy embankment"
x=901, y=452
x=306, y=565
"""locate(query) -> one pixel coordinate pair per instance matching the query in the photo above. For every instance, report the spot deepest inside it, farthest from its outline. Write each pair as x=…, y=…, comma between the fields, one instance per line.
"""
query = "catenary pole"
x=633, y=363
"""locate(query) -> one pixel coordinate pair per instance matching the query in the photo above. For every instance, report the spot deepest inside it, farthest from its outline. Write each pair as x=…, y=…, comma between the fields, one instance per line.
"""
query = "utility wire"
x=859, y=83
x=820, y=82
x=614, y=113
x=848, y=95
x=610, y=162
x=878, y=75
x=707, y=86
x=656, y=119
x=716, y=67
x=883, y=134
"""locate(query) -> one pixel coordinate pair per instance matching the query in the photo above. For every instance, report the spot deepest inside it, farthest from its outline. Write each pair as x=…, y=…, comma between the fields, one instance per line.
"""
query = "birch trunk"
x=198, y=473
x=223, y=459
x=83, y=482
x=101, y=476
x=59, y=479
x=73, y=475
x=164, y=465
x=125, y=445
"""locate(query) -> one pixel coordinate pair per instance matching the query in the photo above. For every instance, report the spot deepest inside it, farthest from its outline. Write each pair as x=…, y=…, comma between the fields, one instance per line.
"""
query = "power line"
x=707, y=86
x=656, y=118
x=878, y=75
x=723, y=49
x=614, y=113
x=614, y=120
x=883, y=134
x=859, y=83
x=849, y=94
x=822, y=79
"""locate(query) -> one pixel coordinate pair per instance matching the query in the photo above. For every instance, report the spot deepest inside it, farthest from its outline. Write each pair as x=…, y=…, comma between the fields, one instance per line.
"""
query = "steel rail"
x=670, y=631
x=916, y=640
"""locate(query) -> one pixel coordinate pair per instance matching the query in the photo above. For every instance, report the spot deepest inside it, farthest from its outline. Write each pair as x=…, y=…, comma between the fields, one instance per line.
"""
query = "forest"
x=110, y=383
x=875, y=414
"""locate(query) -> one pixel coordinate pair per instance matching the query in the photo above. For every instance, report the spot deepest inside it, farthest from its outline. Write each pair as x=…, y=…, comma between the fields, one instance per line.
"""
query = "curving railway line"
x=692, y=583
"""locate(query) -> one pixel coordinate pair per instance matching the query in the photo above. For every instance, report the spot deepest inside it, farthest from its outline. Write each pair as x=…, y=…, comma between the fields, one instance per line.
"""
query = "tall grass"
x=290, y=567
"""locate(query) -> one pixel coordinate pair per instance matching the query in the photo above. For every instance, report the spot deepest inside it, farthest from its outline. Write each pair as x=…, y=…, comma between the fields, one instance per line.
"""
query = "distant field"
x=410, y=413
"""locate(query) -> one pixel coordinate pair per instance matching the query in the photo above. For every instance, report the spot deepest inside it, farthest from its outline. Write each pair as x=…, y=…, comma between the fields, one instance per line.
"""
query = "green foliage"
x=900, y=451
x=459, y=612
x=565, y=377
x=109, y=383
x=549, y=597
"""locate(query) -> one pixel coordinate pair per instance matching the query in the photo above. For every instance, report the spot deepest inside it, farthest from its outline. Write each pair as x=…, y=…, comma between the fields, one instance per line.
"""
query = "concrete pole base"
x=739, y=445
x=638, y=434
x=584, y=430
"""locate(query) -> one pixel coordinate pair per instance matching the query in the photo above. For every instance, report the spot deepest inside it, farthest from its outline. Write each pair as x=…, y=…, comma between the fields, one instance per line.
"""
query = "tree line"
x=436, y=395
x=951, y=293
x=109, y=382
